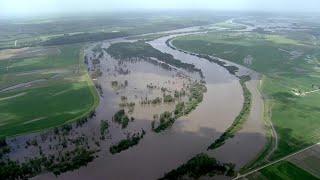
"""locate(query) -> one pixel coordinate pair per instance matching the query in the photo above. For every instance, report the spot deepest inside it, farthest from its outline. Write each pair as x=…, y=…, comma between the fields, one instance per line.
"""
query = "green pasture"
x=287, y=63
x=283, y=170
x=65, y=94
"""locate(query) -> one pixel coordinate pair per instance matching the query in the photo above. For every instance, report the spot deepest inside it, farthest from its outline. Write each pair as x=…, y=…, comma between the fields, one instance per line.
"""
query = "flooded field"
x=159, y=153
x=143, y=90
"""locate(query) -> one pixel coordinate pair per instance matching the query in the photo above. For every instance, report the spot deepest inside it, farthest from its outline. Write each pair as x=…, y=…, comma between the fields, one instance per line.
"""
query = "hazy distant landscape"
x=168, y=93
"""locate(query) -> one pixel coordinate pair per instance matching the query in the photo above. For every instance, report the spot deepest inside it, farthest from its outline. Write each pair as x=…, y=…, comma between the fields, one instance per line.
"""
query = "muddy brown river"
x=158, y=153
x=250, y=140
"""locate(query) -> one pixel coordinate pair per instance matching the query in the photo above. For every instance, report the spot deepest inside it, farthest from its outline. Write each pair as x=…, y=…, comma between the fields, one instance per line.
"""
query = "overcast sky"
x=36, y=7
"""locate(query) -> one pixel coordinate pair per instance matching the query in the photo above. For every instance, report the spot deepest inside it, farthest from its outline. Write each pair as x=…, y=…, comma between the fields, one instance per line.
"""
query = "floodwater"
x=159, y=153
x=250, y=140
x=246, y=145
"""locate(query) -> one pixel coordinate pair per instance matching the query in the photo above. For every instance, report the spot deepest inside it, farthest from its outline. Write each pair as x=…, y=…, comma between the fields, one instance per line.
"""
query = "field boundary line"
x=274, y=162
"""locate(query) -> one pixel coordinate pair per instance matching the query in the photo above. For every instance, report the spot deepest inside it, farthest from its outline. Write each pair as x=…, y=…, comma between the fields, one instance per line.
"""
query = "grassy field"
x=50, y=75
x=288, y=62
x=282, y=170
x=52, y=98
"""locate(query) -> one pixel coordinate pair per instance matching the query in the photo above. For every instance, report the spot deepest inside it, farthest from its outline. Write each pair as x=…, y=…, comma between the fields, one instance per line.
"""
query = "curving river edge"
x=157, y=154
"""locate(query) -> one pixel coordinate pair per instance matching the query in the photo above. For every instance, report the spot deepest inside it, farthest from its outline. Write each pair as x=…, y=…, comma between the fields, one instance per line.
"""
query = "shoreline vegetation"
x=287, y=61
x=240, y=119
x=263, y=156
x=127, y=143
x=4, y=148
x=167, y=118
x=41, y=64
x=198, y=166
x=143, y=50
x=104, y=128
x=245, y=110
x=121, y=118
x=231, y=69
x=140, y=49
x=70, y=161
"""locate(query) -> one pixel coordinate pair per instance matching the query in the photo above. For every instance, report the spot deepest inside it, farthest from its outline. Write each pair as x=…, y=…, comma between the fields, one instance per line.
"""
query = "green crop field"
x=309, y=160
x=289, y=64
x=56, y=81
x=46, y=79
x=282, y=170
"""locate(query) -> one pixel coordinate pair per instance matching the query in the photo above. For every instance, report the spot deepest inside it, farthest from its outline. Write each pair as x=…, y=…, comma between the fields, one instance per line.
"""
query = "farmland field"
x=308, y=160
x=191, y=94
x=290, y=68
x=29, y=84
x=282, y=170
x=31, y=66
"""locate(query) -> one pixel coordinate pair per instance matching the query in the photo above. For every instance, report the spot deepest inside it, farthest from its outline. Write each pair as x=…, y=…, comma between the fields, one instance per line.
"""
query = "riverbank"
x=253, y=129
